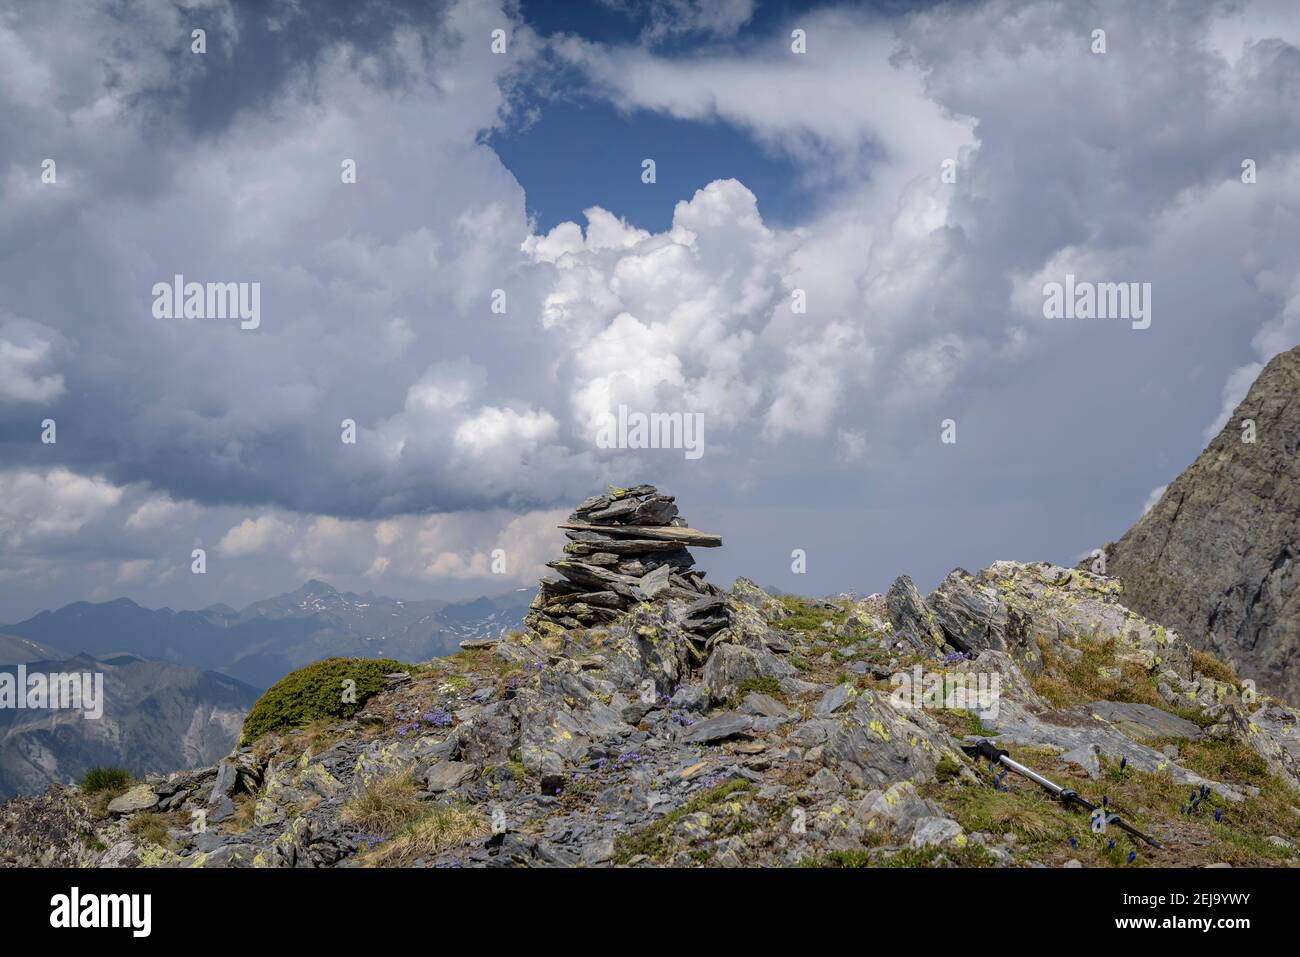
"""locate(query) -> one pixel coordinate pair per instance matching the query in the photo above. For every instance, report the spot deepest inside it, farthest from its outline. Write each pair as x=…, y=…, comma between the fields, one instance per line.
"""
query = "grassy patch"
x=808, y=616
x=1031, y=815
x=97, y=780
x=245, y=815
x=1095, y=676
x=1191, y=713
x=473, y=666
x=1222, y=760
x=320, y=690
x=431, y=832
x=961, y=723
x=844, y=859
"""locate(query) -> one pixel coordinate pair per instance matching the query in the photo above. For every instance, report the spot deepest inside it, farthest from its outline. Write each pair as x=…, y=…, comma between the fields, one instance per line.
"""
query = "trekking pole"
x=987, y=749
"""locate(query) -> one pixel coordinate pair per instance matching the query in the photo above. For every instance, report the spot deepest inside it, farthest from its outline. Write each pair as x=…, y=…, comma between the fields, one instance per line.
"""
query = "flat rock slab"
x=447, y=775
x=1142, y=722
x=138, y=798
x=835, y=699
x=728, y=724
x=760, y=705
x=1087, y=757
x=686, y=536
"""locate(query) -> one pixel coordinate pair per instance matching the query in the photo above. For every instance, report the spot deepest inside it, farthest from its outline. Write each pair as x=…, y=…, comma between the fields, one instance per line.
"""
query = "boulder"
x=731, y=665
x=447, y=776
x=913, y=621
x=726, y=724
x=139, y=798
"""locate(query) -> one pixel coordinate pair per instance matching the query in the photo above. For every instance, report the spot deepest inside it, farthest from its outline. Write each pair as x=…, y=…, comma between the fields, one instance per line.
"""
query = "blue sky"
x=560, y=182
x=519, y=173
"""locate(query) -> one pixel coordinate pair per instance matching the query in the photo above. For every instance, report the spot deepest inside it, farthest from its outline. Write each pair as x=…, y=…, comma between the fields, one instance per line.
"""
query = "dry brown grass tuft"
x=385, y=805
x=151, y=826
x=433, y=831
x=1207, y=664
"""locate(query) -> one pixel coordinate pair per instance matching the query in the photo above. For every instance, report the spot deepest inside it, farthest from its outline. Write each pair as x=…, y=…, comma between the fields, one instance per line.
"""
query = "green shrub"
x=105, y=779
x=316, y=692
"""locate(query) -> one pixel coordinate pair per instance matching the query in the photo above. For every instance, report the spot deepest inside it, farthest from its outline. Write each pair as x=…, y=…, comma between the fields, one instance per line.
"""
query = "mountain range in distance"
x=177, y=684
x=156, y=716
x=266, y=640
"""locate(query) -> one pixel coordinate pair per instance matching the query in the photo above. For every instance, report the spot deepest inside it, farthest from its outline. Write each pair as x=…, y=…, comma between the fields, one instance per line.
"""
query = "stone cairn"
x=625, y=547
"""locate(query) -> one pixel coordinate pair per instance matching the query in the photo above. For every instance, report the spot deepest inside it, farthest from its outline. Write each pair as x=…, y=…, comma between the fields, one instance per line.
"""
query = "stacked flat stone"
x=625, y=547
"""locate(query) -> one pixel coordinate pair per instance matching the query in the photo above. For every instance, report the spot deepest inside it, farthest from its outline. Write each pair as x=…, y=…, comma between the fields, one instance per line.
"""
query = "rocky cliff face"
x=761, y=731
x=1216, y=558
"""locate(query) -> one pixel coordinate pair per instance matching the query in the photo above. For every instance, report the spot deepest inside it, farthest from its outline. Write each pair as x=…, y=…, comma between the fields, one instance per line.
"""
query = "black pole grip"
x=988, y=749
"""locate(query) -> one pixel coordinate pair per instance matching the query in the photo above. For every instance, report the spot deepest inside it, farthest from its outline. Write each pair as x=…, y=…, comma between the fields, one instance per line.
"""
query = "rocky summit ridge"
x=754, y=730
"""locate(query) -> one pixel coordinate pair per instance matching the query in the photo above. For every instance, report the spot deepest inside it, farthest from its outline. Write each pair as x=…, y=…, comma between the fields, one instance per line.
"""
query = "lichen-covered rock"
x=895, y=811
x=649, y=644
x=913, y=621
x=878, y=744
x=1273, y=731
x=745, y=592
x=731, y=665
x=1014, y=607
x=384, y=759
x=938, y=832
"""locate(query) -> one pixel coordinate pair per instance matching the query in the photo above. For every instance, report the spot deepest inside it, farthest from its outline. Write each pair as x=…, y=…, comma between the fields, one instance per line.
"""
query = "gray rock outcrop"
x=1217, y=557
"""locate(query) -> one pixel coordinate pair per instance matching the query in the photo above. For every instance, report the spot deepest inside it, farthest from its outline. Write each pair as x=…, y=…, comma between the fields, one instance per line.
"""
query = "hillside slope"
x=156, y=717
x=18, y=651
